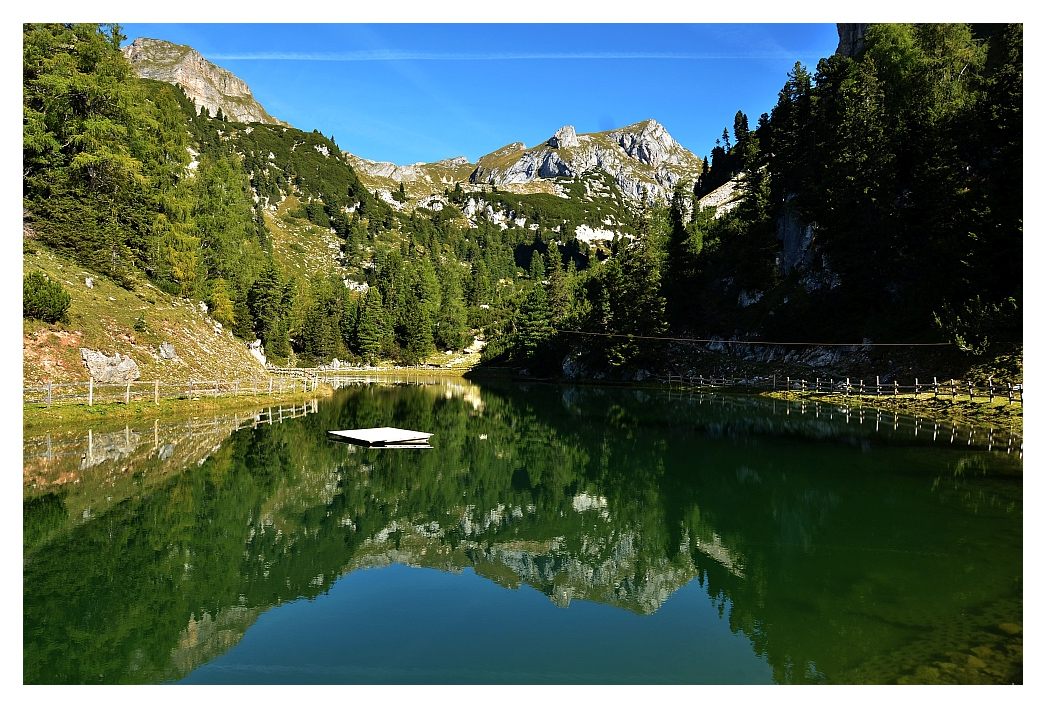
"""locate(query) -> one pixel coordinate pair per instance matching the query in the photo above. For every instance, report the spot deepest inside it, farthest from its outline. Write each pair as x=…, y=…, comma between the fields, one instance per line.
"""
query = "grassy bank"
x=38, y=416
x=979, y=412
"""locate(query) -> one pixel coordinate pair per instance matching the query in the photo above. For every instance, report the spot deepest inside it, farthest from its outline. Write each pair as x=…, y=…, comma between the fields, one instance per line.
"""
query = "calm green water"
x=552, y=535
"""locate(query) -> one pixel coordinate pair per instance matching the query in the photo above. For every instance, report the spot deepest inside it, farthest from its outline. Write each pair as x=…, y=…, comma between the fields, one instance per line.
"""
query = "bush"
x=43, y=299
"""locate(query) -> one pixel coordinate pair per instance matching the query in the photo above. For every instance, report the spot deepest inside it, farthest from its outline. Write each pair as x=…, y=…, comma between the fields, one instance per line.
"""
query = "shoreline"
x=35, y=417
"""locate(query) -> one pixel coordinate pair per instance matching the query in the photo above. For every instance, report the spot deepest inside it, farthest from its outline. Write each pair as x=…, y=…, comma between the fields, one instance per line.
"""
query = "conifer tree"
x=451, y=318
x=558, y=292
x=220, y=303
x=534, y=328
x=43, y=298
x=537, y=268
x=370, y=328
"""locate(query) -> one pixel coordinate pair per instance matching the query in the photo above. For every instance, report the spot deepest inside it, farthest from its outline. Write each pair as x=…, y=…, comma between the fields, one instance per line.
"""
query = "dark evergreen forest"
x=903, y=166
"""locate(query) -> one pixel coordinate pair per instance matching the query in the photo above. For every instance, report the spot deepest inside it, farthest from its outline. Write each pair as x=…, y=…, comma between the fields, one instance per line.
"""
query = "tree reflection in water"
x=846, y=550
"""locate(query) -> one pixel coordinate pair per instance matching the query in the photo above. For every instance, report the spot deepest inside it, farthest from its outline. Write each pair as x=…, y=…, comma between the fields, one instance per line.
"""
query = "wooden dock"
x=384, y=437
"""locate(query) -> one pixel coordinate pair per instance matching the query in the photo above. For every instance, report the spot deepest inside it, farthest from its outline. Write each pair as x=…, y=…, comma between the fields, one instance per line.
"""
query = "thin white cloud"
x=403, y=55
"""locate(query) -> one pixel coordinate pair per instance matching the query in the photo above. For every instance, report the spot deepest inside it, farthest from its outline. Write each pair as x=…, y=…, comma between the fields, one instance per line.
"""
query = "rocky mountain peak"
x=647, y=141
x=206, y=84
x=639, y=157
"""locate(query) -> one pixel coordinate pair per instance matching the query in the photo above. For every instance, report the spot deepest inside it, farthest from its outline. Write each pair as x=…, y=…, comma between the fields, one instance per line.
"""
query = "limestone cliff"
x=638, y=157
x=419, y=179
x=852, y=38
x=207, y=85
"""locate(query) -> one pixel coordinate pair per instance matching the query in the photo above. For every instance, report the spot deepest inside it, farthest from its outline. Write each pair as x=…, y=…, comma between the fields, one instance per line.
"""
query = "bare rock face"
x=564, y=138
x=639, y=157
x=118, y=369
x=852, y=38
x=651, y=144
x=207, y=85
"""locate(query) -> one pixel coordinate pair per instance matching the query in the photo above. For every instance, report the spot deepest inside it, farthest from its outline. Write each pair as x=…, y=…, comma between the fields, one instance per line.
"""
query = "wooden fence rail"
x=49, y=449
x=951, y=389
x=91, y=391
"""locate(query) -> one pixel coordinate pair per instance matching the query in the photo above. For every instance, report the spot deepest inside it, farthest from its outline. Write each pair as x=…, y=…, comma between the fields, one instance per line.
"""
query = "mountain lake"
x=551, y=535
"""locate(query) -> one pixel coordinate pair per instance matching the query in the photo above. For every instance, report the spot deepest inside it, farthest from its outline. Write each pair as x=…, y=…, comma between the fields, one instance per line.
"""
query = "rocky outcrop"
x=797, y=239
x=724, y=198
x=564, y=138
x=639, y=157
x=649, y=143
x=852, y=38
x=207, y=85
x=118, y=369
x=408, y=173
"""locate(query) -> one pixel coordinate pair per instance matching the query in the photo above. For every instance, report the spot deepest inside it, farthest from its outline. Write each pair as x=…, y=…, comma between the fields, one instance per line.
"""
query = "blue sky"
x=422, y=92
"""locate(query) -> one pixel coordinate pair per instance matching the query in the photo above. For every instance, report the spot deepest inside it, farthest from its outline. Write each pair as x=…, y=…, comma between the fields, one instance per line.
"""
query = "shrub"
x=43, y=299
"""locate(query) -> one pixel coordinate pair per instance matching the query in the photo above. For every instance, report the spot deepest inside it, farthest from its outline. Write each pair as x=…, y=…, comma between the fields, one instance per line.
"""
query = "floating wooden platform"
x=384, y=437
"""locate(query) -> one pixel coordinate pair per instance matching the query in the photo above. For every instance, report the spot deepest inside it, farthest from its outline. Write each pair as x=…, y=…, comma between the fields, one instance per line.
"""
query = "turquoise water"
x=551, y=535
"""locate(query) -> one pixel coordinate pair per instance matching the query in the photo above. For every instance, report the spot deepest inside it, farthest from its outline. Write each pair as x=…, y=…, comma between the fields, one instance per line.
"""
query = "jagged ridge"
x=640, y=156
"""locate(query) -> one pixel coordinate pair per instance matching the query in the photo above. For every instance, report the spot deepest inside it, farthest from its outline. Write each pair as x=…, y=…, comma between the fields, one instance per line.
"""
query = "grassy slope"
x=103, y=318
x=302, y=248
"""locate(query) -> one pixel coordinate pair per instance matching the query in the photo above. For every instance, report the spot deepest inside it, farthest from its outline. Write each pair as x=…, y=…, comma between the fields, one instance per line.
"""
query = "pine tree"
x=537, y=268
x=558, y=292
x=451, y=318
x=43, y=298
x=534, y=328
x=417, y=333
x=369, y=327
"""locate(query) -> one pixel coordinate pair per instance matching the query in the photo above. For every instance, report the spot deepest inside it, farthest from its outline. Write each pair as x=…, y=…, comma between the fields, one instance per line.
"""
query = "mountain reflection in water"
x=847, y=546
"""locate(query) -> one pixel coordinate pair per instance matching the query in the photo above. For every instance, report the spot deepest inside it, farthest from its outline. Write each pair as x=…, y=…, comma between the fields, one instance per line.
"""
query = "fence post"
x=216, y=388
x=49, y=406
x=990, y=390
x=877, y=387
x=916, y=392
x=236, y=388
x=970, y=389
x=156, y=392
x=270, y=386
x=1010, y=393
x=190, y=390
x=127, y=394
x=90, y=391
x=936, y=388
x=952, y=382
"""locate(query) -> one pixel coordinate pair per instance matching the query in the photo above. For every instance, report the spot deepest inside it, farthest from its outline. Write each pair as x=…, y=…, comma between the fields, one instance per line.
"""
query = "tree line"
x=903, y=163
